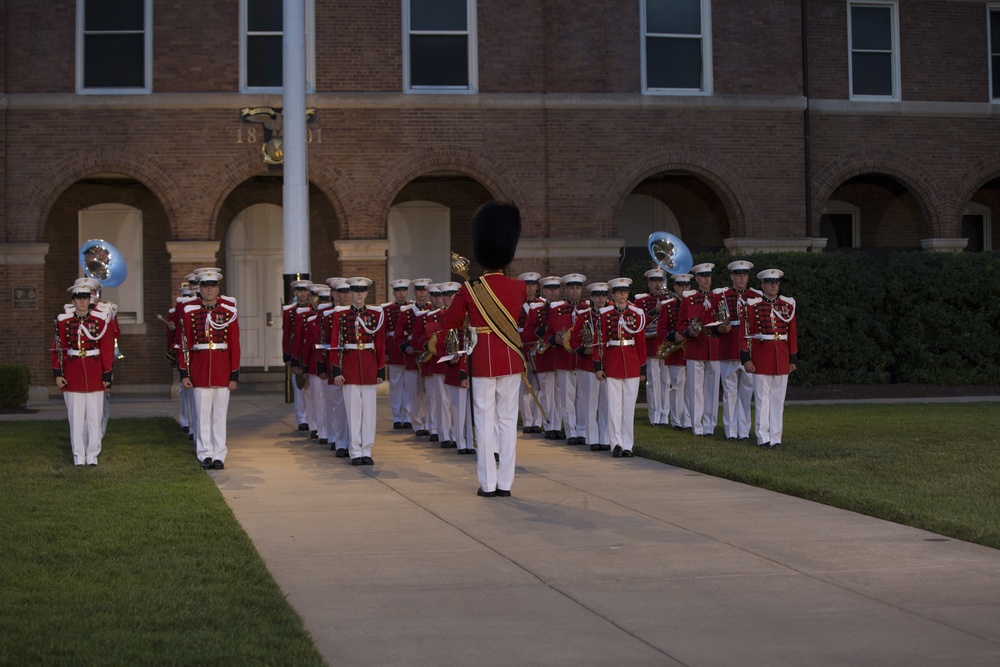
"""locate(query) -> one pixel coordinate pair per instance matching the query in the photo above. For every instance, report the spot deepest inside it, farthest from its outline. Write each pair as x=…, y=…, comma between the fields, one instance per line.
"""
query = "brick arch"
x=500, y=183
x=903, y=169
x=971, y=181
x=64, y=173
x=249, y=164
x=724, y=182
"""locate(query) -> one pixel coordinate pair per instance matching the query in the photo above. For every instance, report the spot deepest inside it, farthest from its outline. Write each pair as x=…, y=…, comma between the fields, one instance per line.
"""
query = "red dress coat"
x=491, y=357
x=561, y=318
x=456, y=369
x=534, y=334
x=769, y=337
x=287, y=328
x=623, y=342
x=696, y=305
x=360, y=333
x=212, y=335
x=299, y=317
x=729, y=343
x=585, y=314
x=666, y=329
x=399, y=337
x=419, y=341
x=393, y=355
x=83, y=351
x=314, y=344
x=650, y=305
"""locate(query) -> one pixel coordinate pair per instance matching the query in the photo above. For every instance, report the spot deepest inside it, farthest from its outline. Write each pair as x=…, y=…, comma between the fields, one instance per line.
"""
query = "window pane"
x=995, y=32
x=871, y=28
x=678, y=17
x=113, y=15
x=264, y=61
x=972, y=229
x=264, y=15
x=996, y=76
x=439, y=60
x=438, y=15
x=838, y=229
x=871, y=73
x=114, y=61
x=673, y=63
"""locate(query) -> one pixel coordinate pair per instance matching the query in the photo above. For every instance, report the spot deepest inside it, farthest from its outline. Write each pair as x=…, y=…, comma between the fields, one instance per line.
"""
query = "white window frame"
x=470, y=32
x=975, y=208
x=706, y=53
x=109, y=222
x=310, y=52
x=893, y=6
x=147, y=55
x=994, y=94
x=836, y=207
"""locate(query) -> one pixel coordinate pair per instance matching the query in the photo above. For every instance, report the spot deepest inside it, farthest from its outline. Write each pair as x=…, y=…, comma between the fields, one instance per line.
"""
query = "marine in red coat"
x=649, y=303
x=394, y=357
x=673, y=378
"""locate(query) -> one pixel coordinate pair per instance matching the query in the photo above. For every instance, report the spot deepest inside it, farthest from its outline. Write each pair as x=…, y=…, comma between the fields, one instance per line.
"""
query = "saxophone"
x=722, y=313
x=451, y=342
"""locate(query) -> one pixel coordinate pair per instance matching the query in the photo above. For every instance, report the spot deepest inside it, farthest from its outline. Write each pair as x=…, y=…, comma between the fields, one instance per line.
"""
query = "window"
x=993, y=30
x=261, y=54
x=440, y=50
x=873, y=35
x=976, y=227
x=677, y=47
x=121, y=226
x=114, y=46
x=840, y=223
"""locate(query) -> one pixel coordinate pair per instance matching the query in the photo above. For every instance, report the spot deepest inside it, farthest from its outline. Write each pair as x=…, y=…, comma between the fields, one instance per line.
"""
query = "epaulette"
x=536, y=304
x=378, y=309
x=409, y=306
x=171, y=311
x=720, y=290
x=787, y=299
x=191, y=307
x=755, y=291
x=431, y=312
x=228, y=306
x=340, y=309
x=556, y=304
x=387, y=304
x=754, y=301
x=637, y=309
x=606, y=309
x=302, y=309
x=641, y=296
x=227, y=299
x=690, y=292
x=289, y=306
x=324, y=306
x=63, y=317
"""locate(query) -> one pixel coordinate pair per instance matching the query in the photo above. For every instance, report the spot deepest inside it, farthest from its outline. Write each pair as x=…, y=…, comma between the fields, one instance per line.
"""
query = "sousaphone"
x=104, y=263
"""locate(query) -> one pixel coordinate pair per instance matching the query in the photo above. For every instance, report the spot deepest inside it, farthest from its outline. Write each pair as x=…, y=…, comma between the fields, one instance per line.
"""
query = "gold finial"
x=460, y=265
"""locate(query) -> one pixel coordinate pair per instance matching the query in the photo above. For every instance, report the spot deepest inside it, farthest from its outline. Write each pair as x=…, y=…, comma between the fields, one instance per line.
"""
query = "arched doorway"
x=254, y=264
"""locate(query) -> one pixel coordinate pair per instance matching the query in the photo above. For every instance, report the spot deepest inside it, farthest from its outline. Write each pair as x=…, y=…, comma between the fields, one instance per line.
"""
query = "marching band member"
x=413, y=386
x=314, y=347
x=698, y=324
x=650, y=305
x=531, y=415
x=82, y=362
x=557, y=335
x=438, y=379
x=300, y=292
x=737, y=385
x=543, y=358
x=359, y=365
x=431, y=373
x=300, y=315
x=209, y=364
x=673, y=377
x=337, y=429
x=621, y=364
x=584, y=340
x=394, y=357
x=769, y=350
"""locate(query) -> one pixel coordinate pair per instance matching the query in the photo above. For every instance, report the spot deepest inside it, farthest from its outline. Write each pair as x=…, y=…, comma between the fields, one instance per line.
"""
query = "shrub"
x=14, y=382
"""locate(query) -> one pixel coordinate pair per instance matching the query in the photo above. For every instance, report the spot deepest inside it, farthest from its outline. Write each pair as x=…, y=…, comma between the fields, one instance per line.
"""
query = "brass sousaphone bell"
x=104, y=263
x=671, y=255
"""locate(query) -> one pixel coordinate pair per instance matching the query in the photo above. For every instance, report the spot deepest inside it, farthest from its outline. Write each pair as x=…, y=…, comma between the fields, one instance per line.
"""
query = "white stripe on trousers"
x=211, y=406
x=494, y=402
x=769, y=399
x=84, y=410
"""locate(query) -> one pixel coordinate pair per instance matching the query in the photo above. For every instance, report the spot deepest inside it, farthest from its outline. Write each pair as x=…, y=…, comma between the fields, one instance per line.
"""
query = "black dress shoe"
x=595, y=448
x=407, y=425
x=397, y=425
x=560, y=434
x=486, y=494
x=303, y=427
x=728, y=439
x=502, y=493
x=218, y=465
x=333, y=446
x=206, y=463
x=422, y=432
x=744, y=439
x=433, y=438
x=605, y=448
x=186, y=429
x=342, y=453
x=678, y=428
x=496, y=456
x=550, y=435
x=627, y=454
x=617, y=452
x=367, y=460
x=763, y=444
x=324, y=441
x=357, y=462
x=774, y=445
x=537, y=429
x=313, y=435
x=191, y=436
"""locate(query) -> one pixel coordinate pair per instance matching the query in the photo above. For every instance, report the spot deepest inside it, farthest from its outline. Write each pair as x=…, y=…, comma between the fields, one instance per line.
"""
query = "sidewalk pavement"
x=593, y=561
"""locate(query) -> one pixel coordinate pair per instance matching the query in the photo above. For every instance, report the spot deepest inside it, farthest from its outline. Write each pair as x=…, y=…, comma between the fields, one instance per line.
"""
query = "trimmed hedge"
x=14, y=382
x=920, y=317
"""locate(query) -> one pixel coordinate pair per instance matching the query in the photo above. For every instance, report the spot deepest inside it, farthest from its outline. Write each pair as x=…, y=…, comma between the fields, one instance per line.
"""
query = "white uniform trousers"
x=530, y=414
x=602, y=414
x=589, y=390
x=703, y=395
x=359, y=400
x=416, y=400
x=212, y=406
x=622, y=394
x=494, y=402
x=737, y=388
x=654, y=404
x=662, y=390
x=299, y=403
x=438, y=415
x=183, y=403
x=317, y=396
x=769, y=398
x=461, y=417
x=679, y=413
x=547, y=397
x=338, y=431
x=566, y=398
x=85, y=410
x=106, y=413
x=397, y=393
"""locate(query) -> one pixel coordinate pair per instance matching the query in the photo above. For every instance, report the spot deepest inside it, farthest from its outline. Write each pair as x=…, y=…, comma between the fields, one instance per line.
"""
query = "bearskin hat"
x=496, y=228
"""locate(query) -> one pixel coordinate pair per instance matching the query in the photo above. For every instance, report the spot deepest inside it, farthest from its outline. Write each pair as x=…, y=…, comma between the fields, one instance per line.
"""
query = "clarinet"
x=58, y=347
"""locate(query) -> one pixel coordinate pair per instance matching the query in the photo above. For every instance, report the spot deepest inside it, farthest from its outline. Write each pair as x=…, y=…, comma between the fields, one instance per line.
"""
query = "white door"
x=254, y=265
x=420, y=241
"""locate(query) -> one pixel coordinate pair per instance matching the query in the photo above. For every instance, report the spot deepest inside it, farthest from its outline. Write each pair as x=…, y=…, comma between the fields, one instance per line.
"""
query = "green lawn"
x=137, y=561
x=934, y=466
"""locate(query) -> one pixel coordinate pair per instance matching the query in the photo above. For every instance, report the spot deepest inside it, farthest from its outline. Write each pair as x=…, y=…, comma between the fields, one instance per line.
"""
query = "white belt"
x=356, y=346
x=322, y=346
x=769, y=337
x=210, y=346
x=84, y=353
x=621, y=343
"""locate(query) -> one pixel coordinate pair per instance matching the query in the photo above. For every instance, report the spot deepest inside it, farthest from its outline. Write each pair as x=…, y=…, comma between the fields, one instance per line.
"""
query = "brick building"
x=813, y=125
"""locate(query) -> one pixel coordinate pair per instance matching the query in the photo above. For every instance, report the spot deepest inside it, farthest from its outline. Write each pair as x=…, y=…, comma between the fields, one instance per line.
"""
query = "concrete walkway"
x=593, y=561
